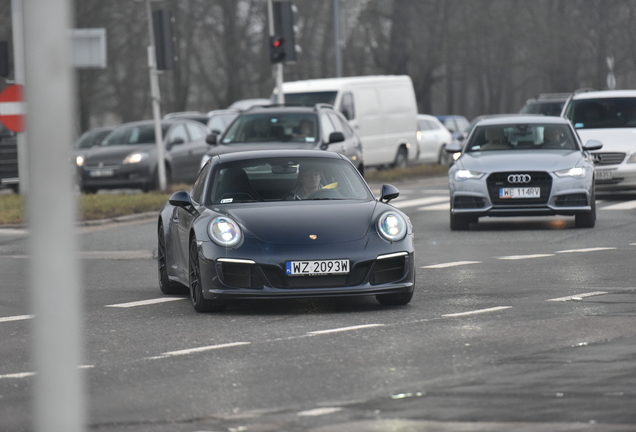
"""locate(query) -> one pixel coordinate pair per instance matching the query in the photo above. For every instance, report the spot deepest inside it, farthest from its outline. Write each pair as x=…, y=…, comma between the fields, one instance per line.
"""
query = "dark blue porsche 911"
x=284, y=224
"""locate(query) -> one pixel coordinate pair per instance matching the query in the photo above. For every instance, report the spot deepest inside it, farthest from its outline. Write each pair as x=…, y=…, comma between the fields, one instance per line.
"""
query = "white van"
x=381, y=109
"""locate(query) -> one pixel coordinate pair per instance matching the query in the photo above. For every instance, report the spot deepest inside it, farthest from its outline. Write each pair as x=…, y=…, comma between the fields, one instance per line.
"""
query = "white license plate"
x=603, y=175
x=321, y=267
x=531, y=192
x=101, y=173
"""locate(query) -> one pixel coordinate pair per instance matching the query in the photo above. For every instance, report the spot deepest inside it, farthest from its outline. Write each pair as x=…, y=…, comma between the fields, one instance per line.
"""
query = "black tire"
x=394, y=299
x=587, y=220
x=88, y=190
x=199, y=303
x=15, y=188
x=401, y=159
x=459, y=223
x=165, y=284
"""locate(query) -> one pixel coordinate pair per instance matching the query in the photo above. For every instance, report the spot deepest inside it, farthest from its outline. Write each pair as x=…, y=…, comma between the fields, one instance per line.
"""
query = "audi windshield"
x=535, y=136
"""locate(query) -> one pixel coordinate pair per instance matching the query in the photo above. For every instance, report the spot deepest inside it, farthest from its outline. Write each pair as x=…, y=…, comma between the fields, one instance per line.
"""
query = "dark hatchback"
x=127, y=157
x=240, y=234
x=289, y=127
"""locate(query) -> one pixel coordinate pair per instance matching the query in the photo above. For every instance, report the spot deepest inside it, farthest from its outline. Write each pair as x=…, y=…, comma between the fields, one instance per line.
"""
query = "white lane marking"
x=436, y=207
x=480, y=311
x=205, y=348
x=578, y=296
x=452, y=264
x=18, y=375
x=627, y=205
x=632, y=244
x=117, y=255
x=586, y=250
x=13, y=231
x=319, y=411
x=420, y=201
x=146, y=302
x=16, y=318
x=342, y=329
x=520, y=257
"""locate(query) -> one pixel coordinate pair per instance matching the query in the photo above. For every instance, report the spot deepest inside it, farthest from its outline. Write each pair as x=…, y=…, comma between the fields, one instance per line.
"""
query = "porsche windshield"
x=602, y=113
x=287, y=179
x=273, y=127
x=522, y=137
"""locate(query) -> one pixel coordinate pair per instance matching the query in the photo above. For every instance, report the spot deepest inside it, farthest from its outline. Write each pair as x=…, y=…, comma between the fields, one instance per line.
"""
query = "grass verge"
x=104, y=206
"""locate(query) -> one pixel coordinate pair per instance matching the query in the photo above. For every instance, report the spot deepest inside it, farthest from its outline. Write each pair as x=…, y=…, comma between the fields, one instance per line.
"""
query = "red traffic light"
x=277, y=42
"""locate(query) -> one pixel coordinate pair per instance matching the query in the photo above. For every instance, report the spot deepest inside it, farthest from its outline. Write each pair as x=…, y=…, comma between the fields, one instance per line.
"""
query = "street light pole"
x=156, y=101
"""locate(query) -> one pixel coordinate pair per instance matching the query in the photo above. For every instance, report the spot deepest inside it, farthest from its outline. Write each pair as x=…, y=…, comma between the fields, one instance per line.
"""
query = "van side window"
x=347, y=107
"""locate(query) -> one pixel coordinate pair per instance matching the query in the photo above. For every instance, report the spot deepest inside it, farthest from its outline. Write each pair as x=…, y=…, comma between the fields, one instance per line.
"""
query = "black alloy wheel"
x=199, y=303
x=165, y=284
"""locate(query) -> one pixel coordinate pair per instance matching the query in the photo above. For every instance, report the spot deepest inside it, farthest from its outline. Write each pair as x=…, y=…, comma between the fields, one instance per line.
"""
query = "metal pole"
x=54, y=274
x=17, y=24
x=336, y=36
x=278, y=67
x=156, y=102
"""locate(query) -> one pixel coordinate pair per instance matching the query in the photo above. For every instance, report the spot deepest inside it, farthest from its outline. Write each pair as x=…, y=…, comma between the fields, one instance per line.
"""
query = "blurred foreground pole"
x=56, y=300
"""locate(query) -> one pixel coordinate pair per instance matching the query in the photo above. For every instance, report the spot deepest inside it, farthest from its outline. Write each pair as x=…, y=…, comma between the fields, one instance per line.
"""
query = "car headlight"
x=631, y=159
x=79, y=161
x=224, y=231
x=467, y=174
x=392, y=226
x=577, y=172
x=135, y=157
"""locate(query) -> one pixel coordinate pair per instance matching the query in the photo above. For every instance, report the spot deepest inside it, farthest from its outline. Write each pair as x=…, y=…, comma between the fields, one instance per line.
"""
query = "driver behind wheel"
x=309, y=177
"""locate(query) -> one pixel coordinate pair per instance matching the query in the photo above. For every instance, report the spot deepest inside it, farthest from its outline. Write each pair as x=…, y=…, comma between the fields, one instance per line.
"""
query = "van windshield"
x=617, y=112
x=311, y=98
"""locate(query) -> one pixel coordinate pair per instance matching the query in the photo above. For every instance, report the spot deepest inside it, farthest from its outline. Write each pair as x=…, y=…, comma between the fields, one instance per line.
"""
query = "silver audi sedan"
x=522, y=165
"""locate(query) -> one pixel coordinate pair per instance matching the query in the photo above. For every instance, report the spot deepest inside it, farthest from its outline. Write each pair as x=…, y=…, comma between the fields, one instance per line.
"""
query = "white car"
x=432, y=139
x=608, y=116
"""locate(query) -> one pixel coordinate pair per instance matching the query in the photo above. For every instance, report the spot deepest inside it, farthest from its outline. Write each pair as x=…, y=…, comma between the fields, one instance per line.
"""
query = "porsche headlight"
x=224, y=231
x=577, y=172
x=135, y=157
x=392, y=226
x=467, y=174
x=79, y=161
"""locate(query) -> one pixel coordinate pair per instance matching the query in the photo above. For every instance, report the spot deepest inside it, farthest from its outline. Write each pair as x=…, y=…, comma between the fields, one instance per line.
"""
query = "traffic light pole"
x=17, y=23
x=278, y=67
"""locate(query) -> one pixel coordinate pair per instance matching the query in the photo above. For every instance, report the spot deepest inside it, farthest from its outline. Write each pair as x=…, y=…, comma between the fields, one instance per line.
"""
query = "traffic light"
x=276, y=49
x=282, y=45
x=163, y=22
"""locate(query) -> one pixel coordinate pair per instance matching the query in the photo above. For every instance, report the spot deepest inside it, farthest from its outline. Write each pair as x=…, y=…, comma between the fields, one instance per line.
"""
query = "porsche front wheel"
x=199, y=303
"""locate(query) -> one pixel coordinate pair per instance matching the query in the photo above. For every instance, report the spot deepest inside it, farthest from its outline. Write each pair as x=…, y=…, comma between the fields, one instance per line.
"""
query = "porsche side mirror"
x=181, y=199
x=388, y=193
x=593, y=145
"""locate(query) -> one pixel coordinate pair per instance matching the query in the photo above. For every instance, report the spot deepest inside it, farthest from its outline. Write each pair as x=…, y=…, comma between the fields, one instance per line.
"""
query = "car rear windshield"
x=602, y=113
x=279, y=179
x=132, y=135
x=273, y=127
x=311, y=98
x=522, y=137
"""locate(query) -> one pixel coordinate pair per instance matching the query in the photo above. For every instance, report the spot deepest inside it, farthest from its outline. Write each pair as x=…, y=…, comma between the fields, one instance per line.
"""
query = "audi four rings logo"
x=519, y=178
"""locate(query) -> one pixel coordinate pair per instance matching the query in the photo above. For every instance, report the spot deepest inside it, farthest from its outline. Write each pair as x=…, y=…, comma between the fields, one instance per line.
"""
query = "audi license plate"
x=101, y=173
x=313, y=268
x=530, y=192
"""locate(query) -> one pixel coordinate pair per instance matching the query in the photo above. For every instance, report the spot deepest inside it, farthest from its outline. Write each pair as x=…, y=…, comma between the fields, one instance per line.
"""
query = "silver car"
x=522, y=166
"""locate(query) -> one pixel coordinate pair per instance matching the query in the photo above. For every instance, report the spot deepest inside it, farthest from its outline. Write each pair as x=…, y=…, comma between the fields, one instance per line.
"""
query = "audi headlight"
x=631, y=159
x=467, y=174
x=392, y=226
x=79, y=161
x=577, y=172
x=135, y=157
x=224, y=231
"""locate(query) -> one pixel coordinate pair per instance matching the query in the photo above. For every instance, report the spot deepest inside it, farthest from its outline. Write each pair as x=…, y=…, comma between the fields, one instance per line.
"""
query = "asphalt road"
x=524, y=324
